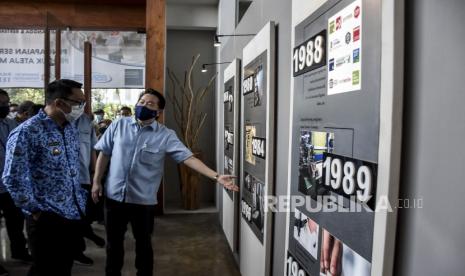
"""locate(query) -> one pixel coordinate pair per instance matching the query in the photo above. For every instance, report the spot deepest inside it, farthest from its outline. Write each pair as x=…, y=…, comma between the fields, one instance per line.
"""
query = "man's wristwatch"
x=216, y=177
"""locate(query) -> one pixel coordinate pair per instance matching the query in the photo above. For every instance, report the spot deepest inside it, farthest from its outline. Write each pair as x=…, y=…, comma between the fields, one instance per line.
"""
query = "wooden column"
x=46, y=53
x=156, y=37
x=155, y=59
x=88, y=76
x=58, y=54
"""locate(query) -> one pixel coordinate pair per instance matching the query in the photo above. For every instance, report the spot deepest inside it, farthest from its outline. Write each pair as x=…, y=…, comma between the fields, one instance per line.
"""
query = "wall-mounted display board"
x=257, y=148
x=231, y=100
x=336, y=139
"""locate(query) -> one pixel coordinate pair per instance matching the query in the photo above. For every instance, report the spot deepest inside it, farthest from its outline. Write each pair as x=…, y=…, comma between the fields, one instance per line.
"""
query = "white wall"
x=431, y=240
x=191, y=17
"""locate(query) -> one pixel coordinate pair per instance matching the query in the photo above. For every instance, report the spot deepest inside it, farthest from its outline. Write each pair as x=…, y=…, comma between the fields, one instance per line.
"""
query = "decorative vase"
x=190, y=186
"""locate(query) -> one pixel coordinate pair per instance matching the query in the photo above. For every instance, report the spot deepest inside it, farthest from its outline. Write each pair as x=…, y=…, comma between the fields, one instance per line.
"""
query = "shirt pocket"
x=151, y=156
x=84, y=136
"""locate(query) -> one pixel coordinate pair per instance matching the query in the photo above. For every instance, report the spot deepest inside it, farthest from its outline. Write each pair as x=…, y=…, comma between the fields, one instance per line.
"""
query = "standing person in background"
x=37, y=108
x=42, y=175
x=87, y=158
x=25, y=111
x=102, y=127
x=14, y=218
x=99, y=114
x=13, y=111
x=125, y=112
x=137, y=148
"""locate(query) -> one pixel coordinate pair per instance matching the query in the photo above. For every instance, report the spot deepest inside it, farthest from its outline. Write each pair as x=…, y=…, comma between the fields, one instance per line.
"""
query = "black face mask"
x=4, y=111
x=102, y=130
x=144, y=113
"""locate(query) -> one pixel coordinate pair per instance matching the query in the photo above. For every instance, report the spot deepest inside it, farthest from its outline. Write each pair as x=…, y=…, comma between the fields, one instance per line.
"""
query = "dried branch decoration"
x=187, y=114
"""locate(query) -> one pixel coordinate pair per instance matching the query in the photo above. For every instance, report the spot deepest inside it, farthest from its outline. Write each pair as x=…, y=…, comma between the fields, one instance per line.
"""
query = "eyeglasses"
x=148, y=103
x=80, y=104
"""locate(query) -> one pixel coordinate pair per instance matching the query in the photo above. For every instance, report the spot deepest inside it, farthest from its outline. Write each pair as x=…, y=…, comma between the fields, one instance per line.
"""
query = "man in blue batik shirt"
x=42, y=175
x=137, y=148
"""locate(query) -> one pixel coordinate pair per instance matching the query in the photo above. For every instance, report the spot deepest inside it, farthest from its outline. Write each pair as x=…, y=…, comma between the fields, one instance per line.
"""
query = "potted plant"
x=186, y=101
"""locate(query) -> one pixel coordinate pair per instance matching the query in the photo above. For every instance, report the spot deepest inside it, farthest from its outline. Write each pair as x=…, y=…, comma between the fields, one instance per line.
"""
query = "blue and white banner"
x=118, y=58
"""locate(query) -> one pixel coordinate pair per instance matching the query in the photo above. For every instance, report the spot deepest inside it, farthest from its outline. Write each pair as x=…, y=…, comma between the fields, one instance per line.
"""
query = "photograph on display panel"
x=306, y=233
x=229, y=148
x=313, y=145
x=229, y=129
x=229, y=96
x=228, y=165
x=249, y=134
x=228, y=138
x=338, y=259
x=258, y=86
x=253, y=204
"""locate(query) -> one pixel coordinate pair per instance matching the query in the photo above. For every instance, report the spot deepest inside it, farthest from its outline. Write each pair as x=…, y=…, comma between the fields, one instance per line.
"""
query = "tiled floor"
x=184, y=244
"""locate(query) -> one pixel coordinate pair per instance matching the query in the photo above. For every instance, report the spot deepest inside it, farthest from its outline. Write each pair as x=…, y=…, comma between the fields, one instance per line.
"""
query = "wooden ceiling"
x=93, y=2
x=81, y=14
x=123, y=2
x=76, y=14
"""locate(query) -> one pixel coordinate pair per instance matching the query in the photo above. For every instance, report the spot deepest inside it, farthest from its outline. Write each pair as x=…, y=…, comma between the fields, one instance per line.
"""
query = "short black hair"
x=99, y=111
x=14, y=104
x=4, y=93
x=161, y=99
x=60, y=89
x=125, y=108
x=37, y=108
x=26, y=106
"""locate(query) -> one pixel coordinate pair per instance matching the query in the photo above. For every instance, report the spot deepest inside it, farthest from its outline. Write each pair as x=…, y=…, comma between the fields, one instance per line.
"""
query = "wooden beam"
x=29, y=14
x=155, y=60
x=22, y=21
x=46, y=54
x=88, y=76
x=58, y=54
x=156, y=39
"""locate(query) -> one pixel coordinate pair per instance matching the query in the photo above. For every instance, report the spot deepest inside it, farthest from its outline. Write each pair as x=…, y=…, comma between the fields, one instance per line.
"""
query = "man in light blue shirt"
x=87, y=158
x=137, y=149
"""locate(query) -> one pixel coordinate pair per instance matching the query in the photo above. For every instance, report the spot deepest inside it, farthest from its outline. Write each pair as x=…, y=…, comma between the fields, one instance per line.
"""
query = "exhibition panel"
x=335, y=139
x=231, y=100
x=257, y=149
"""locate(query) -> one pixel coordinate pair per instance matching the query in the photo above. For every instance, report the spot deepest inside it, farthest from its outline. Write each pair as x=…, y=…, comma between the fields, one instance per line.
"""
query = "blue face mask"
x=143, y=113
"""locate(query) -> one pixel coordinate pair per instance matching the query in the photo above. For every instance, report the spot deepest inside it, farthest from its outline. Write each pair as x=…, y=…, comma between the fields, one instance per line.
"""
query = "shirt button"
x=73, y=173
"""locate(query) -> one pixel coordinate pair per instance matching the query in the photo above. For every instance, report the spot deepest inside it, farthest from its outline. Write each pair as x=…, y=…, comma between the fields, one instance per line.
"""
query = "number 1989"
x=349, y=176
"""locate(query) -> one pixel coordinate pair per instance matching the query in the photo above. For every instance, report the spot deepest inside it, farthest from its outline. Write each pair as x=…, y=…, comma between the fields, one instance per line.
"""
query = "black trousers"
x=91, y=215
x=14, y=220
x=141, y=218
x=53, y=241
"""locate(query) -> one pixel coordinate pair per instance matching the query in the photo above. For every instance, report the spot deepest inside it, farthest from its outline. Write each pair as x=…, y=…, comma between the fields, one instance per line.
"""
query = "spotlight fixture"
x=204, y=66
x=217, y=42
